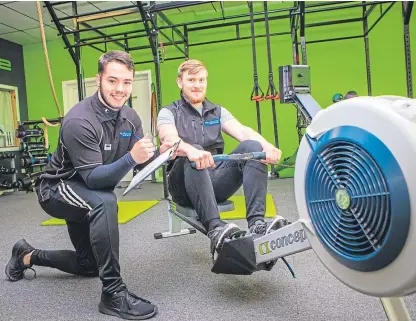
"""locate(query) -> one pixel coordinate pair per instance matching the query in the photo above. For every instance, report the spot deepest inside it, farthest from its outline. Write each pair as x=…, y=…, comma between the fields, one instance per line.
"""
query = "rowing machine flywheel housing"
x=355, y=186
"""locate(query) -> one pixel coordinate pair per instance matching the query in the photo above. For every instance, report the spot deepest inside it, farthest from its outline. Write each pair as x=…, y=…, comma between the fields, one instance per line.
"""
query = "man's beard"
x=107, y=102
x=197, y=100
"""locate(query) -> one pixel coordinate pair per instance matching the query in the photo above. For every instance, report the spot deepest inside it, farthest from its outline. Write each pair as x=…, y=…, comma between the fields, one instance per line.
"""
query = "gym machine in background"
x=34, y=148
x=8, y=173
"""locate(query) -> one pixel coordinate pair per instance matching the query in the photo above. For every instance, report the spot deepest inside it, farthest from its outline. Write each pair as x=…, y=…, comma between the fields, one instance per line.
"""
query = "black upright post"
x=150, y=24
x=302, y=32
x=272, y=93
x=255, y=76
x=294, y=36
x=301, y=122
x=185, y=33
x=407, y=7
x=77, y=54
x=367, y=49
x=126, y=49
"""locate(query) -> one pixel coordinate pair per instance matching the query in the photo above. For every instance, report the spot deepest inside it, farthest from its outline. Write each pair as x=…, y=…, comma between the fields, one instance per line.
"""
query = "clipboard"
x=151, y=168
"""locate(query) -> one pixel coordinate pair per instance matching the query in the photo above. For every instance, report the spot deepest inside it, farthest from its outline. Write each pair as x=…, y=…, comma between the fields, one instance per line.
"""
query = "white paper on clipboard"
x=149, y=169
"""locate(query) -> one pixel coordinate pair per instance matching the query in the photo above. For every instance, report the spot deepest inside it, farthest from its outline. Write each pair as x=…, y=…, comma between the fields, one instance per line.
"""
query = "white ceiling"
x=19, y=21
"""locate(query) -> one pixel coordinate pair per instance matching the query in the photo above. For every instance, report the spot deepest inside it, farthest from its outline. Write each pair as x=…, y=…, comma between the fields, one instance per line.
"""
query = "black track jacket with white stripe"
x=92, y=135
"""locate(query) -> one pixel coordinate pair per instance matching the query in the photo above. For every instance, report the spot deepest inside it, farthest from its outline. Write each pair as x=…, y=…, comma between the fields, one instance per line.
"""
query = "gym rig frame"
x=148, y=13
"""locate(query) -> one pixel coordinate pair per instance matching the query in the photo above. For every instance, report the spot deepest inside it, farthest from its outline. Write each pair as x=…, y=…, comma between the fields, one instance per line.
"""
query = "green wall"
x=337, y=66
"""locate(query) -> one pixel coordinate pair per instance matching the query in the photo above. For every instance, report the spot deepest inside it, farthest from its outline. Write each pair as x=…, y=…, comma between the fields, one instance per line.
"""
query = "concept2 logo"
x=5, y=65
x=269, y=246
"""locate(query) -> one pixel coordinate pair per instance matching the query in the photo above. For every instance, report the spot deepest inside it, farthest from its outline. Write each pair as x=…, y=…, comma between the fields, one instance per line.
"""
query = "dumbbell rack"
x=8, y=173
x=34, y=153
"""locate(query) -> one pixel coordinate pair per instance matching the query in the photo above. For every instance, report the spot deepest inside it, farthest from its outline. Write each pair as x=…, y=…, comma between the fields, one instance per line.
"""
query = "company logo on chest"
x=212, y=122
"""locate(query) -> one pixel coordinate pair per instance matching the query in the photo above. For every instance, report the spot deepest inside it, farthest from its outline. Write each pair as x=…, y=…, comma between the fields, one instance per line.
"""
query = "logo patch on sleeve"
x=125, y=134
x=212, y=122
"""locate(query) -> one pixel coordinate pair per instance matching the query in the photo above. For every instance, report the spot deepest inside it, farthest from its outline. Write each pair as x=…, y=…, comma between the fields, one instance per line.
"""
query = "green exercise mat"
x=239, y=211
x=126, y=212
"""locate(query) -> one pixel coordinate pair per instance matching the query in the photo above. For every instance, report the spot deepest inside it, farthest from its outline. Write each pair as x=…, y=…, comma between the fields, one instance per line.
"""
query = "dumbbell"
x=26, y=132
x=27, y=161
x=7, y=155
x=5, y=170
x=25, y=183
x=24, y=147
x=8, y=185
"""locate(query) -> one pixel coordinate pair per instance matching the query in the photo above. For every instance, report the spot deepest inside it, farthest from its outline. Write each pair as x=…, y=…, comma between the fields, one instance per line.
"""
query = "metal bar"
x=228, y=24
x=60, y=29
x=155, y=8
x=60, y=3
x=150, y=33
x=114, y=35
x=111, y=40
x=150, y=61
x=302, y=32
x=166, y=19
x=172, y=42
x=76, y=16
x=333, y=22
x=174, y=5
x=234, y=39
x=356, y=5
x=369, y=11
x=102, y=15
x=154, y=43
x=237, y=31
x=78, y=55
x=324, y=4
x=294, y=36
x=395, y=309
x=101, y=34
x=271, y=81
x=109, y=25
x=381, y=16
x=34, y=122
x=95, y=47
x=222, y=10
x=407, y=11
x=229, y=18
x=176, y=25
x=163, y=27
x=185, y=31
x=407, y=52
x=367, y=50
x=255, y=76
x=148, y=47
x=333, y=39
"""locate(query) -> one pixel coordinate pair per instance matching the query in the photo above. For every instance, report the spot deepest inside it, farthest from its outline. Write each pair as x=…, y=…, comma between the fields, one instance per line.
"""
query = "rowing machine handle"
x=226, y=157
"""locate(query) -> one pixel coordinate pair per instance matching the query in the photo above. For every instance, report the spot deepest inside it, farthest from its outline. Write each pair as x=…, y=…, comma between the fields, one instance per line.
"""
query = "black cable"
x=255, y=93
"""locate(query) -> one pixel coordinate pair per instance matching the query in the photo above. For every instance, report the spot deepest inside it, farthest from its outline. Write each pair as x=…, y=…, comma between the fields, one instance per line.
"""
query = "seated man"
x=198, y=123
x=100, y=141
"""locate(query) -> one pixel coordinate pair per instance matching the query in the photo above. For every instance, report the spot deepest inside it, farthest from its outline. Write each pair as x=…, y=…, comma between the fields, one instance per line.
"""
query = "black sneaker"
x=126, y=305
x=218, y=235
x=15, y=269
x=261, y=227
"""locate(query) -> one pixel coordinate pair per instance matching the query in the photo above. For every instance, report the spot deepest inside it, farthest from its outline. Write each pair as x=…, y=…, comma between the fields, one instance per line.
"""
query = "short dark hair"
x=118, y=56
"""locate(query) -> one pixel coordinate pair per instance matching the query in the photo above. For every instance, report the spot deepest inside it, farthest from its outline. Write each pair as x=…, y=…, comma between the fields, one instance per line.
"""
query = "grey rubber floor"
x=174, y=273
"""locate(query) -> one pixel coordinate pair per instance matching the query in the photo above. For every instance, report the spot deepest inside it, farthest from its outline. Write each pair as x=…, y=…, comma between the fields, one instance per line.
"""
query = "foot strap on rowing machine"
x=237, y=256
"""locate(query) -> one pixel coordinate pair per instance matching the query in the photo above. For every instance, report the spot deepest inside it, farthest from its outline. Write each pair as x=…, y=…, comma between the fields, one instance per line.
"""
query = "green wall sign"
x=5, y=65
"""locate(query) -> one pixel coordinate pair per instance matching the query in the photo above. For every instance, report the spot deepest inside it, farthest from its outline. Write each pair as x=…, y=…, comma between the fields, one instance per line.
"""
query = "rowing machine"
x=354, y=178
